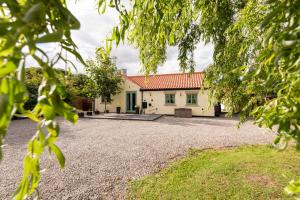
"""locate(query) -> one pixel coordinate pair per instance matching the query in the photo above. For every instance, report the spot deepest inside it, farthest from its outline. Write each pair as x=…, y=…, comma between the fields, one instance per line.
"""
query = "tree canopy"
x=256, y=61
x=74, y=84
x=256, y=51
x=104, y=79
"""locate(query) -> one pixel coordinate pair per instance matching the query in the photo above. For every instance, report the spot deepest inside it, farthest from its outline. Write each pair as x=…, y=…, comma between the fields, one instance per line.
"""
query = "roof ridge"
x=169, y=81
x=202, y=72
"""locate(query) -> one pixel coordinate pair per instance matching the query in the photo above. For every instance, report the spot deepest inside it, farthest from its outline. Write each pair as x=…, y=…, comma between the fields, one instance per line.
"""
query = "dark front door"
x=130, y=101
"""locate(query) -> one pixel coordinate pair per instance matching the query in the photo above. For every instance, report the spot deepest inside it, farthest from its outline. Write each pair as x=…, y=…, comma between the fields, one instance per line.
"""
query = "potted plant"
x=137, y=109
x=81, y=114
x=89, y=113
x=97, y=112
x=118, y=108
x=106, y=111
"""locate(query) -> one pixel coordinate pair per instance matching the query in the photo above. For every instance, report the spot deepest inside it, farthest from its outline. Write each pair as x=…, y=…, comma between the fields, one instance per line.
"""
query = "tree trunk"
x=105, y=106
x=94, y=105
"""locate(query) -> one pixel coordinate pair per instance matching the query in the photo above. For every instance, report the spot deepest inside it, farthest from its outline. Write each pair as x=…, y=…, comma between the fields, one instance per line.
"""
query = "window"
x=191, y=99
x=170, y=98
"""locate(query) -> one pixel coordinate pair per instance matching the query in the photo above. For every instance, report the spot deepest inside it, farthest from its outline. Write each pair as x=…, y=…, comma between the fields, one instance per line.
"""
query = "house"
x=161, y=94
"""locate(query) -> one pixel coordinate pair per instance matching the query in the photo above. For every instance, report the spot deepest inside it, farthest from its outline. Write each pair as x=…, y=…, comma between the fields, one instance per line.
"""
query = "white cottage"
x=161, y=94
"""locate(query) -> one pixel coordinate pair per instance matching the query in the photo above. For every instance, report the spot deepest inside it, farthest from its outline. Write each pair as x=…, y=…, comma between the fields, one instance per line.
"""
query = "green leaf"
x=72, y=20
x=69, y=71
x=100, y=4
x=103, y=7
x=117, y=36
x=3, y=103
x=114, y=35
x=8, y=68
x=70, y=116
x=20, y=94
x=75, y=53
x=171, y=39
x=21, y=192
x=269, y=17
x=277, y=140
x=108, y=46
x=111, y=4
x=35, y=13
x=27, y=165
x=34, y=182
x=51, y=37
x=60, y=157
x=53, y=128
x=293, y=188
x=48, y=111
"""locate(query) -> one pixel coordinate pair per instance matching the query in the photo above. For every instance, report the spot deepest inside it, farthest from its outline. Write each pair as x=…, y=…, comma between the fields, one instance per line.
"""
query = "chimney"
x=113, y=60
x=123, y=71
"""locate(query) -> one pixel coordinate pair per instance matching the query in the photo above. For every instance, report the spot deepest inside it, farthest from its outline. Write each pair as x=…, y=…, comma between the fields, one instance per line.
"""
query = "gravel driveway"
x=103, y=155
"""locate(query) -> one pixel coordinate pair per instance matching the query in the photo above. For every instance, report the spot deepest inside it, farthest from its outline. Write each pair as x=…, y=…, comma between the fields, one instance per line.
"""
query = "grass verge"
x=250, y=172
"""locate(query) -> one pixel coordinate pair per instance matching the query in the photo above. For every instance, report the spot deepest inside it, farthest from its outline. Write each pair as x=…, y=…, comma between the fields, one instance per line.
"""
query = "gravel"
x=103, y=155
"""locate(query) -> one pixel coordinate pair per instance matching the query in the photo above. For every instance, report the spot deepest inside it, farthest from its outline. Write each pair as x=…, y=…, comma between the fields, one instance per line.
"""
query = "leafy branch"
x=256, y=67
x=24, y=27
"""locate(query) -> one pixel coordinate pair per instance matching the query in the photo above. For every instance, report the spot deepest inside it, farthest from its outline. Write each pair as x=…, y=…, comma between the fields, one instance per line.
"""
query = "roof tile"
x=169, y=81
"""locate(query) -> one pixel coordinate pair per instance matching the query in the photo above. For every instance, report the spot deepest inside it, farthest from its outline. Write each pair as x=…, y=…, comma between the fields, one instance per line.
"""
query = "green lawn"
x=252, y=172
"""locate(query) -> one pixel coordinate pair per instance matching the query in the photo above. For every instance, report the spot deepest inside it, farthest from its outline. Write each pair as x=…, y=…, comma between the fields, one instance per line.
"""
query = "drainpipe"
x=142, y=96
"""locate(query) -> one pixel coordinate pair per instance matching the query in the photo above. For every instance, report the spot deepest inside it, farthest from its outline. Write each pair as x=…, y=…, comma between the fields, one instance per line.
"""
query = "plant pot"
x=118, y=110
x=81, y=114
x=106, y=111
x=137, y=110
x=217, y=110
x=89, y=113
x=97, y=112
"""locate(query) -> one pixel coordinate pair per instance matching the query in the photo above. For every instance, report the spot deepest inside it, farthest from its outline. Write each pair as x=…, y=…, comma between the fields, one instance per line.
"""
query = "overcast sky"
x=95, y=28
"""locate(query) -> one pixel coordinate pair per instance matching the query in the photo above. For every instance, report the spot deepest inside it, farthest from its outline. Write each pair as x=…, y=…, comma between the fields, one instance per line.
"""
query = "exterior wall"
x=157, y=101
x=158, y=106
x=120, y=99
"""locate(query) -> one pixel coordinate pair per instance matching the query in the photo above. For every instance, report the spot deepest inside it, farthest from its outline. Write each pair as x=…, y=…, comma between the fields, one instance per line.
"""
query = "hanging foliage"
x=25, y=26
x=256, y=67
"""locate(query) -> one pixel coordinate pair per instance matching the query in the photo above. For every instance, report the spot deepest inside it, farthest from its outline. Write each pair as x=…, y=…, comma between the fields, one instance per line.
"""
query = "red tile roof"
x=169, y=81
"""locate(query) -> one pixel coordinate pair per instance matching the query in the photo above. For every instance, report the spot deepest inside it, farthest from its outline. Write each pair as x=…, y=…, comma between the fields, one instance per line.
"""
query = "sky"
x=96, y=27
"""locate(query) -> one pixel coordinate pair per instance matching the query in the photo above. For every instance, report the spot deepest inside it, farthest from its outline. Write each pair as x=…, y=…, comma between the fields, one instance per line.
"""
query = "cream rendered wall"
x=157, y=99
x=120, y=99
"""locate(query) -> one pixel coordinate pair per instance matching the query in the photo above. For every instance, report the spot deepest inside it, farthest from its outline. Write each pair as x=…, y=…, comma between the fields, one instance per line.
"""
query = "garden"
x=255, y=72
x=247, y=172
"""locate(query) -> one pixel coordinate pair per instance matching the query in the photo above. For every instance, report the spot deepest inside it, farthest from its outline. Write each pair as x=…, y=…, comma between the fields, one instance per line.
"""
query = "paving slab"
x=115, y=116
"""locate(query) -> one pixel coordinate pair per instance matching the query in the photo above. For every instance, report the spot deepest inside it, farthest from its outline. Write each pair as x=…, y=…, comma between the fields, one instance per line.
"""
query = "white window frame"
x=168, y=97
x=190, y=95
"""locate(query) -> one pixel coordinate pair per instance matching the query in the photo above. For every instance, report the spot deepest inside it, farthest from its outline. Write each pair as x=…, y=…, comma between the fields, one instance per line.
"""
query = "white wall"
x=158, y=106
x=157, y=100
x=120, y=99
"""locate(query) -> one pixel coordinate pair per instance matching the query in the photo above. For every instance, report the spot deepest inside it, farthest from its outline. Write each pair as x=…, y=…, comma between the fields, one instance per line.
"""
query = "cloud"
x=94, y=29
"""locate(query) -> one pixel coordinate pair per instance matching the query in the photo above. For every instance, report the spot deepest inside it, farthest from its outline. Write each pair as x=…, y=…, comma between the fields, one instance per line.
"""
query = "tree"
x=74, y=84
x=256, y=52
x=256, y=68
x=78, y=85
x=103, y=75
x=33, y=79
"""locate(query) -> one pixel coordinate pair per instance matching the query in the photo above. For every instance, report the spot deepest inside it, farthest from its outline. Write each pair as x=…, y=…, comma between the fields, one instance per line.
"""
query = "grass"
x=251, y=172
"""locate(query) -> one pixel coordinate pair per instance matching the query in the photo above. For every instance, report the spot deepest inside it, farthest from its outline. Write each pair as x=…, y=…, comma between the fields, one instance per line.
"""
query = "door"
x=130, y=101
